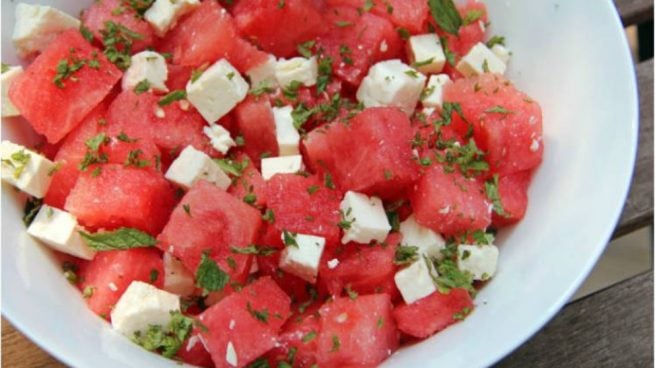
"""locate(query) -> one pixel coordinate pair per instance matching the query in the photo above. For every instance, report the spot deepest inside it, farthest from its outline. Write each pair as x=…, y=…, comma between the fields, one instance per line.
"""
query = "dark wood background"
x=610, y=328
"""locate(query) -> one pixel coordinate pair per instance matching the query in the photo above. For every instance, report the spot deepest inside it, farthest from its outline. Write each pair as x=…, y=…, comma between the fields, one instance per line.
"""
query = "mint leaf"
x=405, y=255
x=121, y=239
x=209, y=275
x=167, y=340
x=491, y=189
x=254, y=249
x=445, y=14
x=32, y=207
x=172, y=97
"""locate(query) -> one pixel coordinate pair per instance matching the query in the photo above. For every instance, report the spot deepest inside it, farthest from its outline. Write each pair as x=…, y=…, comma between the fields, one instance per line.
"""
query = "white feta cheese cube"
x=177, y=279
x=428, y=242
x=219, y=137
x=164, y=14
x=480, y=60
x=60, y=230
x=263, y=73
x=217, y=91
x=286, y=134
x=299, y=69
x=433, y=95
x=281, y=165
x=193, y=165
x=502, y=52
x=426, y=52
x=8, y=76
x=366, y=218
x=415, y=281
x=37, y=26
x=303, y=260
x=26, y=169
x=146, y=65
x=391, y=83
x=141, y=306
x=479, y=260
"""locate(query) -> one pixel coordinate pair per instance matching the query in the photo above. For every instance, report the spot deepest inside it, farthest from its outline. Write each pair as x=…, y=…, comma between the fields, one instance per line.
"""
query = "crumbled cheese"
x=219, y=137
x=60, y=230
x=37, y=26
x=365, y=218
x=192, y=165
x=480, y=60
x=25, y=169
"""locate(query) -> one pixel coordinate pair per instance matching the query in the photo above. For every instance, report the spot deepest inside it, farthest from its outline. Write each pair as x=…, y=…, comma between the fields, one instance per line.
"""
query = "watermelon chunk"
x=207, y=35
x=255, y=314
x=95, y=18
x=173, y=130
x=372, y=154
x=433, y=313
x=513, y=192
x=356, y=47
x=111, y=272
x=299, y=211
x=450, y=204
x=299, y=333
x=278, y=29
x=213, y=221
x=55, y=109
x=411, y=15
x=254, y=120
x=359, y=332
x=507, y=123
x=376, y=260
x=249, y=184
x=121, y=197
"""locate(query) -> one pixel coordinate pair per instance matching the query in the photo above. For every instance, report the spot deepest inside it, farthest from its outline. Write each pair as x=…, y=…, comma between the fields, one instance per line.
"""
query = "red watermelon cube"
x=279, y=29
x=303, y=205
x=254, y=120
x=356, y=333
x=250, y=187
x=300, y=337
x=245, y=325
x=411, y=15
x=109, y=274
x=95, y=18
x=450, y=204
x=209, y=219
x=354, y=48
x=54, y=107
x=506, y=122
x=371, y=154
x=433, y=313
x=121, y=196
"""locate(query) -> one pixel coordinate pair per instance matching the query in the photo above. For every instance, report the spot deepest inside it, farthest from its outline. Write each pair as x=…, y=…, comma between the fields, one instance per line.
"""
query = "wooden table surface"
x=610, y=328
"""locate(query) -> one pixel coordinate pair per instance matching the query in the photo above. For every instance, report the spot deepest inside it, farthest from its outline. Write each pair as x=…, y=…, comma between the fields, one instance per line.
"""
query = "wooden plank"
x=634, y=11
x=638, y=210
x=19, y=352
x=612, y=328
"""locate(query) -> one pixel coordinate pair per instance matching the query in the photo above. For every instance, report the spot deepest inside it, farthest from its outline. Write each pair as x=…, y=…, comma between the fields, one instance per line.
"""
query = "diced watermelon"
x=299, y=211
x=254, y=120
x=450, y=204
x=207, y=35
x=433, y=313
x=470, y=34
x=356, y=333
x=408, y=14
x=54, y=111
x=316, y=150
x=299, y=333
x=209, y=219
x=178, y=76
x=111, y=272
x=193, y=352
x=507, y=123
x=121, y=197
x=376, y=260
x=70, y=154
x=245, y=323
x=279, y=29
x=136, y=116
x=372, y=154
x=142, y=153
x=95, y=18
x=249, y=183
x=513, y=192
x=354, y=48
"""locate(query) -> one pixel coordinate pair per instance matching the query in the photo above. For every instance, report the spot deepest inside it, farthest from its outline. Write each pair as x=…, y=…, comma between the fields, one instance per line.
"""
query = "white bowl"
x=571, y=56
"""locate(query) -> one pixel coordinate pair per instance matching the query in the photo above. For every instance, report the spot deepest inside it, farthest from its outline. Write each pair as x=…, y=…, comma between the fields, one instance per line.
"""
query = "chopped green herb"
x=496, y=40
x=499, y=110
x=134, y=160
x=412, y=73
x=290, y=239
x=324, y=74
x=262, y=88
x=261, y=315
x=88, y=292
x=301, y=115
x=17, y=161
x=120, y=239
x=124, y=138
x=291, y=91
x=336, y=344
x=403, y=33
x=231, y=166
x=187, y=209
x=250, y=198
x=141, y=87
x=167, y=340
x=491, y=189
x=405, y=255
x=346, y=224
x=5, y=68
x=209, y=275
x=280, y=4
x=311, y=335
x=445, y=14
x=254, y=249
x=343, y=23
x=269, y=216
x=418, y=64
x=472, y=16
x=380, y=322
x=66, y=68
x=482, y=237
x=86, y=33
x=118, y=41
x=94, y=143
x=305, y=48
x=259, y=363
x=451, y=277
x=96, y=172
x=32, y=207
x=172, y=97
x=154, y=275
x=462, y=314
x=368, y=5
x=195, y=74
x=450, y=55
x=70, y=272
x=352, y=294
x=313, y=189
x=328, y=181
